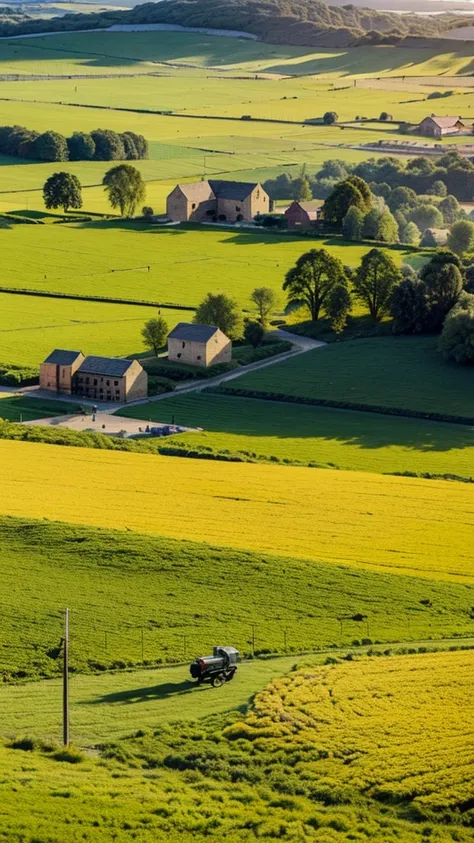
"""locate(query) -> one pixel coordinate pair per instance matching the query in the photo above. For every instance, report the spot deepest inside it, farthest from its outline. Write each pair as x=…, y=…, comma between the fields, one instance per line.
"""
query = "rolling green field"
x=320, y=435
x=135, y=261
x=20, y=407
x=136, y=598
x=401, y=372
x=32, y=326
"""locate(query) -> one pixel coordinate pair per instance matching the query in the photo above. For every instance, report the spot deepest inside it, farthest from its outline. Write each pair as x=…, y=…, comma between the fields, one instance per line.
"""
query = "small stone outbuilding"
x=199, y=345
x=96, y=378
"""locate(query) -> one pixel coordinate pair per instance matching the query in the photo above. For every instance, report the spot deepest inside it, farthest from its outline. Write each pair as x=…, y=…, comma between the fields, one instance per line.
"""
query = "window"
x=178, y=355
x=183, y=345
x=95, y=381
x=237, y=207
x=193, y=206
x=257, y=194
x=107, y=383
x=117, y=391
x=115, y=383
x=199, y=357
x=87, y=380
x=64, y=373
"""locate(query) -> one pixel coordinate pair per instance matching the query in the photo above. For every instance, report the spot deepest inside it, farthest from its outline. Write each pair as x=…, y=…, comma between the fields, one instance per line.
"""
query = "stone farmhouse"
x=199, y=345
x=210, y=201
x=302, y=214
x=97, y=378
x=438, y=127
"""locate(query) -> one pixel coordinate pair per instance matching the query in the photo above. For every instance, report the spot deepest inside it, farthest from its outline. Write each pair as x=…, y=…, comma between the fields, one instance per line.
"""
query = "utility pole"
x=66, y=680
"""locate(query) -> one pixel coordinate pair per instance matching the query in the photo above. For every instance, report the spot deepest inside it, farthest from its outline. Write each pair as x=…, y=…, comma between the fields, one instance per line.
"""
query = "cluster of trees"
x=99, y=145
x=400, y=215
x=438, y=299
x=320, y=282
x=123, y=184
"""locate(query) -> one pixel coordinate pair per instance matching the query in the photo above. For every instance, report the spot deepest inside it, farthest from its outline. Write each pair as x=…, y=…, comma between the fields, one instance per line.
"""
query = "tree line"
x=439, y=299
x=449, y=174
x=98, y=145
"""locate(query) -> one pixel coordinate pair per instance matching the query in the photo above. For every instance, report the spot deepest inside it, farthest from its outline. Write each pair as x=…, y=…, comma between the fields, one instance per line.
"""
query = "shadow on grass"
x=154, y=692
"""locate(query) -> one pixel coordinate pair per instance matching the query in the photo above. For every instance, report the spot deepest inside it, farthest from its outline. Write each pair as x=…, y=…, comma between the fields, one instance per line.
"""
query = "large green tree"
x=51, y=146
x=374, y=282
x=62, y=190
x=461, y=237
x=254, y=333
x=409, y=306
x=154, y=334
x=222, y=311
x=81, y=146
x=457, y=338
x=346, y=194
x=125, y=188
x=352, y=223
x=312, y=279
x=108, y=145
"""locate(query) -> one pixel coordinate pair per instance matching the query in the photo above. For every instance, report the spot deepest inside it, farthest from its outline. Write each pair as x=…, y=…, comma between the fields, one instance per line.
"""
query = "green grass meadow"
x=400, y=372
x=320, y=435
x=144, y=600
x=33, y=326
x=21, y=408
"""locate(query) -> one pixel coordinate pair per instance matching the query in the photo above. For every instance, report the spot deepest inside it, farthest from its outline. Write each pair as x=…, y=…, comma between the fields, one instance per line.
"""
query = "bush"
x=159, y=385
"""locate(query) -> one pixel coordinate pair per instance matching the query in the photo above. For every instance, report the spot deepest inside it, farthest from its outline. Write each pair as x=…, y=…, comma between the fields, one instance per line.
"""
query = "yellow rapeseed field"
x=399, y=524
x=399, y=729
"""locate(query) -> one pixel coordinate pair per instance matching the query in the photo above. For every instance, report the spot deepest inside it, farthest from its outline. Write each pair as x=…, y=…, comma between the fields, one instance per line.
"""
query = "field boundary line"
x=48, y=294
x=345, y=405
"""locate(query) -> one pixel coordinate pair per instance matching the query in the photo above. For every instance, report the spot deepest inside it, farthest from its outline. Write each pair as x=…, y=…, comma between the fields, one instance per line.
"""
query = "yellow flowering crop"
x=392, y=523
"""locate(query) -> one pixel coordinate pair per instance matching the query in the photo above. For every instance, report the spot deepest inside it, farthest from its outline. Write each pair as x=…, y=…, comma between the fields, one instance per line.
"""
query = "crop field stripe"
x=49, y=294
x=380, y=522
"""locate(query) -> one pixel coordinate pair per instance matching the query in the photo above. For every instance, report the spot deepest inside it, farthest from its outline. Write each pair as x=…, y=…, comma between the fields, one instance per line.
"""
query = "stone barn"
x=96, y=378
x=199, y=345
x=224, y=201
x=438, y=127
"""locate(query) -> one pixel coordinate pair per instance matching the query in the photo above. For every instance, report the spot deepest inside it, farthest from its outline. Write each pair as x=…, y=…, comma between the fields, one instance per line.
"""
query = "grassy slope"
x=403, y=372
x=15, y=407
x=32, y=327
x=118, y=585
x=360, y=441
x=392, y=523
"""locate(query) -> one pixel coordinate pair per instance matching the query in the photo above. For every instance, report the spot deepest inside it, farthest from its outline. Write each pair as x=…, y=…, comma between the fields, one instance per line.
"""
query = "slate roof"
x=62, y=357
x=445, y=122
x=197, y=191
x=115, y=367
x=238, y=190
x=188, y=332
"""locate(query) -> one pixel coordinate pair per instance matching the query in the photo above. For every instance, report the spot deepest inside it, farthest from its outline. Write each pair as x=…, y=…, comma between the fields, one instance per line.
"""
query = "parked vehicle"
x=216, y=669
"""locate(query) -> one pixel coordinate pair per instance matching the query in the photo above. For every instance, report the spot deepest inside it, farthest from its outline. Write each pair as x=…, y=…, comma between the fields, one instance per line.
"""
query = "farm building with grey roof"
x=224, y=201
x=97, y=378
x=198, y=345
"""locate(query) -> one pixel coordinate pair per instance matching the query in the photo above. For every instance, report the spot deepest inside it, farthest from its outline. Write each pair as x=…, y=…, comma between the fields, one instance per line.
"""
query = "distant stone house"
x=438, y=127
x=97, y=378
x=302, y=214
x=227, y=201
x=199, y=345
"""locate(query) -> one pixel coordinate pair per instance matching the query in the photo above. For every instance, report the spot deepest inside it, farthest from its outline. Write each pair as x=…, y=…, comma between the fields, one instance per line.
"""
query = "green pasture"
x=171, y=265
x=31, y=326
x=137, y=599
x=138, y=52
x=290, y=98
x=21, y=408
x=403, y=372
x=326, y=437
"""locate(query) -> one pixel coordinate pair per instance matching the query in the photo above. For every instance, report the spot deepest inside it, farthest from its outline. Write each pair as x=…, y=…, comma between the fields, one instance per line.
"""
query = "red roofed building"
x=302, y=214
x=438, y=127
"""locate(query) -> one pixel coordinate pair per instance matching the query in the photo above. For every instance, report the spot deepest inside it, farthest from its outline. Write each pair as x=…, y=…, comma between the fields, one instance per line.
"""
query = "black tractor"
x=216, y=669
